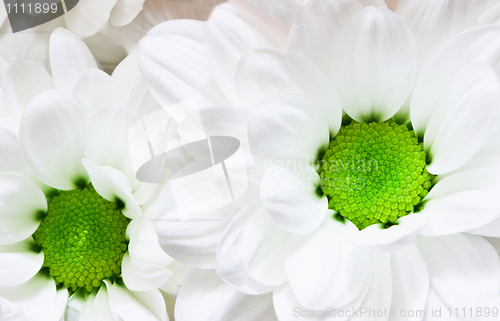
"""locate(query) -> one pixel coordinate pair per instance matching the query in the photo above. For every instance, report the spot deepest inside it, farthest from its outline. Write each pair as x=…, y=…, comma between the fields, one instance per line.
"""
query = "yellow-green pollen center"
x=83, y=238
x=374, y=173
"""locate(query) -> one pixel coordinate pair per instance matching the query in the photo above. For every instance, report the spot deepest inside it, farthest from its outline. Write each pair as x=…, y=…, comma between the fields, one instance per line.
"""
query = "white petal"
x=289, y=196
x=460, y=212
x=463, y=269
x=144, y=266
x=108, y=145
x=69, y=58
x=19, y=263
x=489, y=11
x=230, y=261
x=376, y=3
x=12, y=161
x=410, y=280
x=268, y=71
x=97, y=307
x=38, y=298
x=194, y=241
x=380, y=294
x=492, y=229
x=233, y=29
x=22, y=81
x=376, y=238
x=10, y=311
x=174, y=64
x=322, y=270
x=52, y=138
x=21, y=202
x=481, y=44
x=138, y=99
x=263, y=247
x=124, y=12
x=96, y=88
x=320, y=26
x=423, y=18
x=112, y=184
x=87, y=17
x=282, y=10
x=287, y=125
x=374, y=65
x=454, y=134
x=204, y=297
x=133, y=306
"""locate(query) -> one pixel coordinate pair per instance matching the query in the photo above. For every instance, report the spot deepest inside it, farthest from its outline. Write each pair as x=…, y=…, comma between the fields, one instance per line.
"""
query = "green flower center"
x=374, y=173
x=83, y=238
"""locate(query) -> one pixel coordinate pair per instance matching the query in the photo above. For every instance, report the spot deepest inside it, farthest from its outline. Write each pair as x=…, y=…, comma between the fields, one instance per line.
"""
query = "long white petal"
x=374, y=65
x=111, y=184
x=289, y=196
x=230, y=260
x=21, y=203
x=144, y=266
x=52, y=137
x=233, y=29
x=88, y=16
x=19, y=263
x=69, y=58
x=96, y=88
x=172, y=58
x=204, y=297
x=22, y=81
x=97, y=307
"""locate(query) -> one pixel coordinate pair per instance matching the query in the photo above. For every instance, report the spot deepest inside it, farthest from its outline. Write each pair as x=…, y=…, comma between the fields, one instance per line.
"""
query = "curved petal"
x=144, y=266
x=22, y=81
x=265, y=72
x=133, y=306
x=96, y=88
x=461, y=212
x=489, y=11
x=97, y=307
x=456, y=132
x=410, y=281
x=21, y=202
x=112, y=184
x=194, y=241
x=10, y=311
x=376, y=238
x=38, y=298
x=481, y=44
x=287, y=125
x=69, y=57
x=108, y=145
x=204, y=297
x=230, y=261
x=124, y=12
x=423, y=18
x=263, y=248
x=320, y=26
x=138, y=100
x=19, y=263
x=492, y=229
x=289, y=196
x=52, y=136
x=172, y=59
x=12, y=160
x=380, y=294
x=374, y=65
x=463, y=269
x=233, y=29
x=88, y=16
x=322, y=270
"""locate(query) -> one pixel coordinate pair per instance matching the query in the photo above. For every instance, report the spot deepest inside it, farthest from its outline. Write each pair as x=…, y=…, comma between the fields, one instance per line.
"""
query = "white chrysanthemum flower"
x=416, y=136
x=75, y=223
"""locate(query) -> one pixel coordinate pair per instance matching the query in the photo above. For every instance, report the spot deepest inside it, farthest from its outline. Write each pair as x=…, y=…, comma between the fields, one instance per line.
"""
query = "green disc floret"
x=83, y=238
x=374, y=173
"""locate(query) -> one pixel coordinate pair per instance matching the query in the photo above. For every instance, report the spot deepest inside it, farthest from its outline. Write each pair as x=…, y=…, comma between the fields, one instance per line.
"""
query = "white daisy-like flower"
x=76, y=236
x=374, y=145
